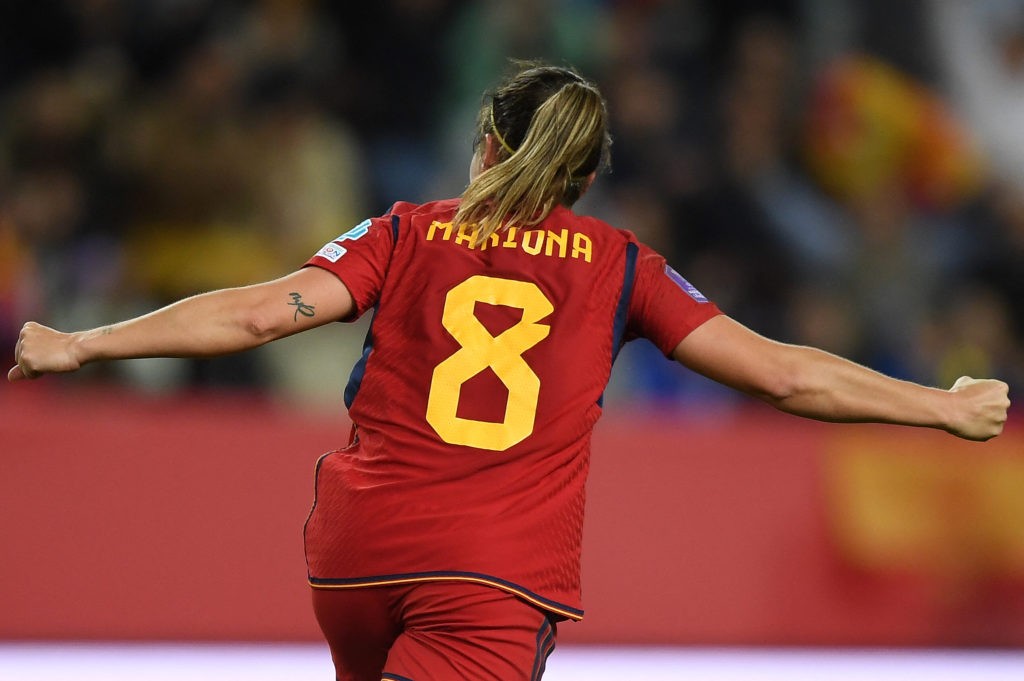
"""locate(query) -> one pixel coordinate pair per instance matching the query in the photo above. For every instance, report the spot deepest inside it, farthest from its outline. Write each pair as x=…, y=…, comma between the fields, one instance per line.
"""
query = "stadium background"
x=848, y=174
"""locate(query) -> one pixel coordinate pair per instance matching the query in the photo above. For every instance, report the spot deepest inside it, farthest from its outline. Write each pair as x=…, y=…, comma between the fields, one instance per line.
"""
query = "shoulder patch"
x=332, y=252
x=688, y=288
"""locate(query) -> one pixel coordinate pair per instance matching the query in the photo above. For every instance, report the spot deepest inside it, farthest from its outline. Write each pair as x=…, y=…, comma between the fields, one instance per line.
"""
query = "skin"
x=795, y=379
x=815, y=384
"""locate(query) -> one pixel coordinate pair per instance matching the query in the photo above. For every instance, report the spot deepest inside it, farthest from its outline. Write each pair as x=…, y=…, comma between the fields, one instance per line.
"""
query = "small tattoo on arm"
x=107, y=330
x=300, y=307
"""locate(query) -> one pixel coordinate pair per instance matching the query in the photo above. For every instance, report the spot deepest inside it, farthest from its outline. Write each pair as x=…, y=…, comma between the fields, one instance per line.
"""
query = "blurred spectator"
x=707, y=166
x=901, y=169
x=981, y=49
x=391, y=87
x=972, y=335
x=870, y=127
x=477, y=45
x=34, y=36
x=795, y=160
x=732, y=238
x=980, y=46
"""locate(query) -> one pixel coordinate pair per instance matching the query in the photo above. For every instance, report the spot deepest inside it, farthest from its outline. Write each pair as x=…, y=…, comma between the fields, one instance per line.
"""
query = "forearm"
x=815, y=384
x=205, y=325
x=217, y=323
x=829, y=388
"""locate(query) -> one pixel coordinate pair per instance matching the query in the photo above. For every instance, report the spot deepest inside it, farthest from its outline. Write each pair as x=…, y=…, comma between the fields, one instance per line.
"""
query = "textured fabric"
x=433, y=632
x=476, y=397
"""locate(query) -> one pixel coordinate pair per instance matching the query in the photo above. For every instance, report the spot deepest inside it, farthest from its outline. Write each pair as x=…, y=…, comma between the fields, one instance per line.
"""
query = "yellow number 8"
x=479, y=350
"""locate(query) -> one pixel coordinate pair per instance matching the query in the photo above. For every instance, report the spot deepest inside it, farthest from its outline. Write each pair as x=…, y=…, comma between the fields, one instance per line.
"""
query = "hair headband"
x=497, y=135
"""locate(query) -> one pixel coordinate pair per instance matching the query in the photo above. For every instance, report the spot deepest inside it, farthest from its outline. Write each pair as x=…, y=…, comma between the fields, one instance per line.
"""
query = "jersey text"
x=560, y=244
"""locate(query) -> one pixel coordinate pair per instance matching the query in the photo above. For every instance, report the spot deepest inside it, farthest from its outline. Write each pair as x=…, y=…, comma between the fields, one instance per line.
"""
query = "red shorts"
x=433, y=631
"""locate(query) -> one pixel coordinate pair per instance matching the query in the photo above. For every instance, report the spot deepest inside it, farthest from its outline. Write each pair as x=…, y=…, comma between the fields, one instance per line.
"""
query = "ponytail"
x=565, y=140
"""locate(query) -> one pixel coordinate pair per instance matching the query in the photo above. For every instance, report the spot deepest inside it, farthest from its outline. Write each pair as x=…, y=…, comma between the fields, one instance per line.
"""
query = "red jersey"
x=476, y=394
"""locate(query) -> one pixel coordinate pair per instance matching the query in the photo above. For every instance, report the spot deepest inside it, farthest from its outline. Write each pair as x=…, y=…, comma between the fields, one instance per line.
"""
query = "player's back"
x=503, y=346
x=477, y=392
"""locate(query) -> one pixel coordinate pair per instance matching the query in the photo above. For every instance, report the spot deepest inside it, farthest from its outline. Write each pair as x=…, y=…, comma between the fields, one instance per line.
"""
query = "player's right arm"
x=812, y=383
x=210, y=324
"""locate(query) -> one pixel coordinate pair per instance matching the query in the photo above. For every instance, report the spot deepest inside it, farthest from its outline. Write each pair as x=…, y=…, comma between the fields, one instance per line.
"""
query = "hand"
x=981, y=410
x=42, y=350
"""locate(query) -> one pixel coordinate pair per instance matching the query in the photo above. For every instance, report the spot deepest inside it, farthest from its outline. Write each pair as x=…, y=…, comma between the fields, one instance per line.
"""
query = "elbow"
x=258, y=329
x=801, y=383
x=782, y=383
x=777, y=389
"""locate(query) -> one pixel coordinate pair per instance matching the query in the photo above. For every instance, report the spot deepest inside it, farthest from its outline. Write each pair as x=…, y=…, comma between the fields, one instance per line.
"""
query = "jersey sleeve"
x=360, y=259
x=664, y=307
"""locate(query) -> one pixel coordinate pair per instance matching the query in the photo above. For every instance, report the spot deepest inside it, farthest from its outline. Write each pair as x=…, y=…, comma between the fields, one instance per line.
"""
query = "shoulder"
x=431, y=208
x=405, y=217
x=596, y=227
x=620, y=241
x=639, y=257
x=624, y=238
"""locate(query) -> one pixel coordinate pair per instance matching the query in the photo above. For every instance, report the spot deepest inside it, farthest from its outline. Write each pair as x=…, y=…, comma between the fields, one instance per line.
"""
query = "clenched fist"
x=42, y=350
x=980, y=408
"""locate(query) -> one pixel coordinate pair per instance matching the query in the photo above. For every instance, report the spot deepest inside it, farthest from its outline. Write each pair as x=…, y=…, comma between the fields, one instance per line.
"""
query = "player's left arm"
x=206, y=325
x=816, y=384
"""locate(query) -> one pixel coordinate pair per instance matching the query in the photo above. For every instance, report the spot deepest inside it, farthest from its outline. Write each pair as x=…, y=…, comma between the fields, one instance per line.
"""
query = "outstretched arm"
x=206, y=325
x=813, y=383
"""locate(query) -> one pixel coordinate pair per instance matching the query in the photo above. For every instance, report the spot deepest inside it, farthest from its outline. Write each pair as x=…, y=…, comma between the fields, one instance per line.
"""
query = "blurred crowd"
x=842, y=173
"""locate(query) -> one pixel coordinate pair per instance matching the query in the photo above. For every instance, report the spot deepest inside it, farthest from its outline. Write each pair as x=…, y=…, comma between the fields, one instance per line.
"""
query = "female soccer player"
x=444, y=541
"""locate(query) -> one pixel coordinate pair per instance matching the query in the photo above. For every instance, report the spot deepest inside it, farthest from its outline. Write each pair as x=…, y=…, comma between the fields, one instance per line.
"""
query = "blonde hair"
x=551, y=125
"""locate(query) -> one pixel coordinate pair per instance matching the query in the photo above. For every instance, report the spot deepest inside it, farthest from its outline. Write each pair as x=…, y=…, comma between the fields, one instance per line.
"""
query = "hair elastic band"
x=497, y=135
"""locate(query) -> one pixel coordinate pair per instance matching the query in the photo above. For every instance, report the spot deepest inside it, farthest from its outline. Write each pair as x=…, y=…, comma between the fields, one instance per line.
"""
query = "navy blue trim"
x=393, y=677
x=316, y=492
x=545, y=646
x=622, y=308
x=555, y=606
x=355, y=379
